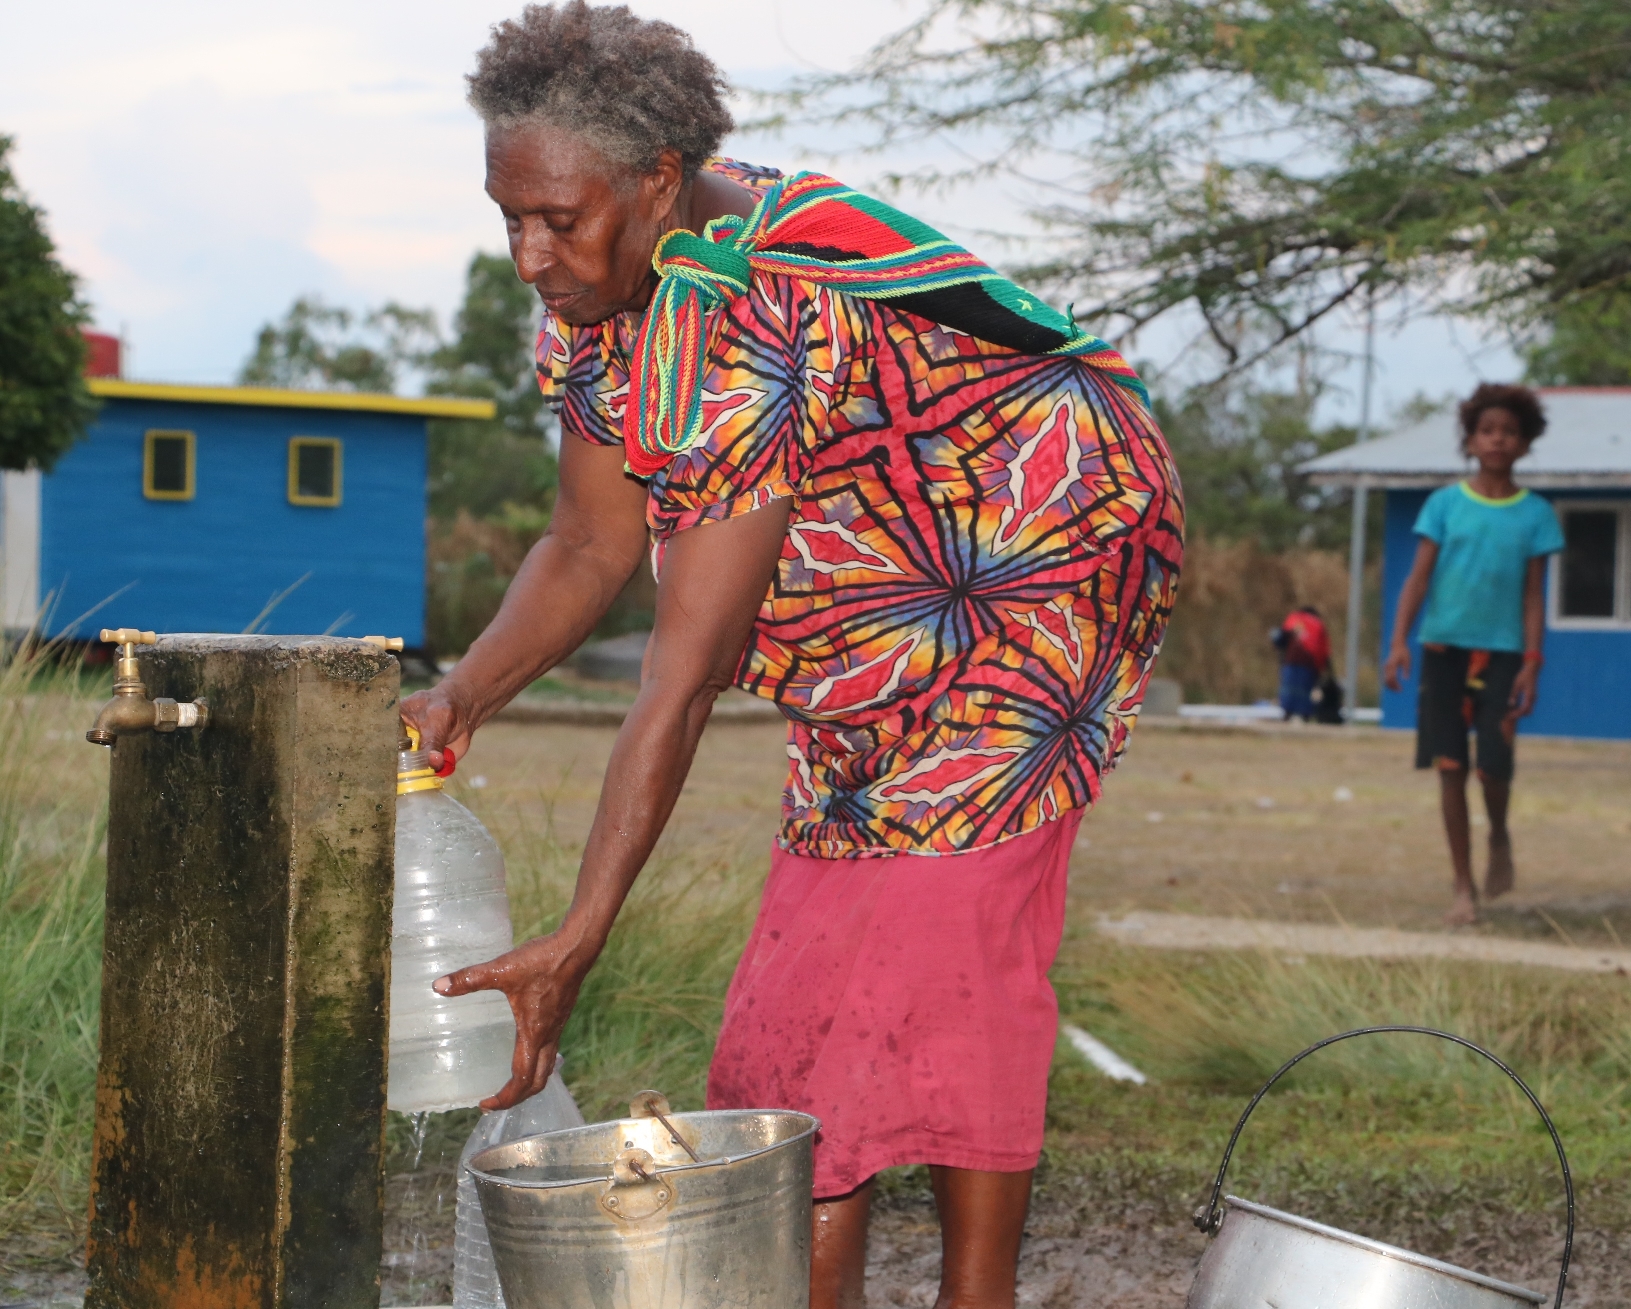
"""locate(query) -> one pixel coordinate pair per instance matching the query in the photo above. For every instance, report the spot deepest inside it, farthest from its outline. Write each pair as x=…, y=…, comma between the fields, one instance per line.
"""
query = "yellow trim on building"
x=428, y=406
x=298, y=443
x=191, y=480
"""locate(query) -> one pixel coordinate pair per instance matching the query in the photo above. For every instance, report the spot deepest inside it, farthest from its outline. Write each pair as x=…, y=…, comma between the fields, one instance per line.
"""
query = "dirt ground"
x=1316, y=826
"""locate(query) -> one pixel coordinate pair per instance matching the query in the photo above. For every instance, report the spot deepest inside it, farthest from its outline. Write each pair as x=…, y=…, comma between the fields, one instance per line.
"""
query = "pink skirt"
x=904, y=1001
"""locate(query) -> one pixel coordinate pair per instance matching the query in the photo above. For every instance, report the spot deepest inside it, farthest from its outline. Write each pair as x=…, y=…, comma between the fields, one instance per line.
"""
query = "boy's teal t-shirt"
x=1484, y=547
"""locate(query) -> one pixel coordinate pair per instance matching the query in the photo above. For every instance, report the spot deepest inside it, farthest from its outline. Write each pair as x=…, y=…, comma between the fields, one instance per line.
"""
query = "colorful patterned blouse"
x=980, y=562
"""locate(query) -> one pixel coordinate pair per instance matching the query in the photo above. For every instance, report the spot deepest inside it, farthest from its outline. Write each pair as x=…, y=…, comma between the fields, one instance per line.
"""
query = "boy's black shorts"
x=1462, y=691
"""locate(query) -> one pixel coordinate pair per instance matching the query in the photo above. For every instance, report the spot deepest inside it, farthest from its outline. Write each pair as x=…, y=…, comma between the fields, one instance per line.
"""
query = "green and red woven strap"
x=818, y=230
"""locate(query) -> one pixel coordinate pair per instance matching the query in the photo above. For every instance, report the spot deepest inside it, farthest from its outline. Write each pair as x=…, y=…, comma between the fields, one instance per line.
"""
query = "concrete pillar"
x=240, y=1103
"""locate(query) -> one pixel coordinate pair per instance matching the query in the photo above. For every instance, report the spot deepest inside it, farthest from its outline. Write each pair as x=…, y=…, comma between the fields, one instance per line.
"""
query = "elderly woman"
x=883, y=487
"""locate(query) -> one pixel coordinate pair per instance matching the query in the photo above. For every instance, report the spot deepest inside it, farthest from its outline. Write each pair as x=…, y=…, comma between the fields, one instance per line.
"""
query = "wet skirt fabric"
x=905, y=1002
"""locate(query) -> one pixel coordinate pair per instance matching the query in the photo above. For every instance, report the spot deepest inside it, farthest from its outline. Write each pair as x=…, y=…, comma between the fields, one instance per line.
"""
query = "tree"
x=1238, y=450
x=319, y=347
x=44, y=403
x=481, y=467
x=1265, y=161
x=1587, y=343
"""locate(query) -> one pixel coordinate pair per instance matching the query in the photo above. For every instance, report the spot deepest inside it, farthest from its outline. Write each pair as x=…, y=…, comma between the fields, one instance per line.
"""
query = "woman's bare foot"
x=1501, y=876
x=1463, y=911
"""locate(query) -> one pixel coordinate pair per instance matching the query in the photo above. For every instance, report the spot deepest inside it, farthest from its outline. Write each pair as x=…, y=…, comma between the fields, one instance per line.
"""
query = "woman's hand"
x=714, y=579
x=541, y=979
x=596, y=539
x=442, y=716
x=1397, y=667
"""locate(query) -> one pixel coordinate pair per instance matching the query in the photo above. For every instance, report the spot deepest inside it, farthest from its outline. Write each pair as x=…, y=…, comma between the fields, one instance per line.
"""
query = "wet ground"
x=1141, y=1260
x=1074, y=1257
x=1072, y=1260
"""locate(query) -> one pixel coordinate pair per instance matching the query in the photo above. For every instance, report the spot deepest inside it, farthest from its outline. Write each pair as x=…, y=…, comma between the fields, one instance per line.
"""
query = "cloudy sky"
x=202, y=164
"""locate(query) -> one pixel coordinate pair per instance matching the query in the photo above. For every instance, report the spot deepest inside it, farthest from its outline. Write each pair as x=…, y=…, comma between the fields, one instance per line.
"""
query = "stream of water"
x=420, y=1190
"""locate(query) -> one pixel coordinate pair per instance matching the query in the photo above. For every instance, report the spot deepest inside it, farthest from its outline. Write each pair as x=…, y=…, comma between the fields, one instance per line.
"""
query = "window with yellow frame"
x=314, y=471
x=168, y=465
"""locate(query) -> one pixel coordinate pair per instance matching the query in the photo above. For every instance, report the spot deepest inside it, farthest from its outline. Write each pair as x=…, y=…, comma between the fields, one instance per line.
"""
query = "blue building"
x=227, y=509
x=1582, y=465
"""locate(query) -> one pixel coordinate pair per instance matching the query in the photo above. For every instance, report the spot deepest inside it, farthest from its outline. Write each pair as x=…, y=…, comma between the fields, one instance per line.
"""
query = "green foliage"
x=481, y=467
x=492, y=484
x=44, y=404
x=1238, y=453
x=1263, y=163
x=1587, y=343
x=320, y=347
x=491, y=355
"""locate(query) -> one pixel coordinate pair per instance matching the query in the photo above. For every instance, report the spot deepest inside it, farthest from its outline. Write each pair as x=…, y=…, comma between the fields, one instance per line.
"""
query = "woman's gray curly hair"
x=632, y=87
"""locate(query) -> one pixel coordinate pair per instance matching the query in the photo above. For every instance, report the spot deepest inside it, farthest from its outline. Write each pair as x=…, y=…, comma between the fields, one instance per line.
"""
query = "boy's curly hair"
x=1522, y=403
x=633, y=87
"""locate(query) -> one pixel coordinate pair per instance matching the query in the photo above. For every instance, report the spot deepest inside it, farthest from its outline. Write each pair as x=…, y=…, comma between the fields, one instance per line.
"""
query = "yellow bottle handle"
x=419, y=779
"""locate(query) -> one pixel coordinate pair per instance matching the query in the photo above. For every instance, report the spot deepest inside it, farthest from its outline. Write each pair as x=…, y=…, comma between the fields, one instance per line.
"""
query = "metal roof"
x=1587, y=444
x=429, y=406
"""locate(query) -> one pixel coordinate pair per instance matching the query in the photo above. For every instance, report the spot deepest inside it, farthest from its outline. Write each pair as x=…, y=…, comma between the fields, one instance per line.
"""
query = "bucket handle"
x=1210, y=1218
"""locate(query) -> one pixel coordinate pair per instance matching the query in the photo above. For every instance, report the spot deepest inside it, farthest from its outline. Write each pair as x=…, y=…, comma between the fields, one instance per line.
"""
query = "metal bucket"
x=655, y=1211
x=1263, y=1257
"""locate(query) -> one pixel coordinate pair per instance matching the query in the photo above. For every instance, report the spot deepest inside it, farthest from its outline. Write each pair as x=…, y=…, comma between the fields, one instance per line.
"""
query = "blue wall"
x=1585, y=687
x=210, y=564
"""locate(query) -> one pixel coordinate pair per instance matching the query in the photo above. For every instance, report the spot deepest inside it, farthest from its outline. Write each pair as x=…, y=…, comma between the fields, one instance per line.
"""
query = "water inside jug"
x=446, y=1052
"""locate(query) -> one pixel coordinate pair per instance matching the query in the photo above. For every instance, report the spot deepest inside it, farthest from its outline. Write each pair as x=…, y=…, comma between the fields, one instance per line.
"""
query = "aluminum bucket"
x=1263, y=1257
x=655, y=1211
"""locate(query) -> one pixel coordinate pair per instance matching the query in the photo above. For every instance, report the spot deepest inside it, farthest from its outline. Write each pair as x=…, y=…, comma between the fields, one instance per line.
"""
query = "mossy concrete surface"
x=241, y=1088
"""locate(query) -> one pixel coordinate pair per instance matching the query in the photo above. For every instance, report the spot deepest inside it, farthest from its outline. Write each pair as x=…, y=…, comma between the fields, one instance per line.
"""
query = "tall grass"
x=1232, y=1019
x=1233, y=594
x=53, y=791
x=1399, y=1136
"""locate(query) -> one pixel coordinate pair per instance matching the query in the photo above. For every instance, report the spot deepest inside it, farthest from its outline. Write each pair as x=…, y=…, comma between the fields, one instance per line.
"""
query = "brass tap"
x=130, y=711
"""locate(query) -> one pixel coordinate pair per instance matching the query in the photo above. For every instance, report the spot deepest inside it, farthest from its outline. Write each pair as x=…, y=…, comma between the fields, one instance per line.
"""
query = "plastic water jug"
x=446, y=1052
x=475, y=1279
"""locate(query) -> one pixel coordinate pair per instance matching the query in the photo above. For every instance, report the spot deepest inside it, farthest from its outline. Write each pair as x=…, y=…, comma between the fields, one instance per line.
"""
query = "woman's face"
x=582, y=228
x=1497, y=441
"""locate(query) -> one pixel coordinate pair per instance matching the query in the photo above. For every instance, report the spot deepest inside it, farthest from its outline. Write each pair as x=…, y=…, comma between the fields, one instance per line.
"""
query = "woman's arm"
x=713, y=582
x=596, y=539
x=1397, y=666
x=1526, y=686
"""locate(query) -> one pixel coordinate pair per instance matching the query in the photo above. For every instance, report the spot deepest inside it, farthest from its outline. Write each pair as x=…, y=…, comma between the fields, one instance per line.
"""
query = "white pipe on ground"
x=1101, y=1056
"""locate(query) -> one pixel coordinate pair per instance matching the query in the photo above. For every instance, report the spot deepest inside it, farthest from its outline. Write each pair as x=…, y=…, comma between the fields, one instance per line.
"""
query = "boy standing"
x=1480, y=566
